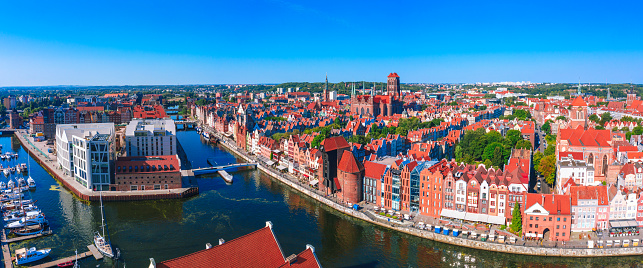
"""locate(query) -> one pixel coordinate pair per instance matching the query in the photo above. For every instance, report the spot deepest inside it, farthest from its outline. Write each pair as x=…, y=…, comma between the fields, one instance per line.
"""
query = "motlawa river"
x=168, y=229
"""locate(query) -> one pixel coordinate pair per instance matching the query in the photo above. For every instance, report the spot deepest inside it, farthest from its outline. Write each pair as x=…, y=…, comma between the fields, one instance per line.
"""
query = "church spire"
x=326, y=89
x=353, y=91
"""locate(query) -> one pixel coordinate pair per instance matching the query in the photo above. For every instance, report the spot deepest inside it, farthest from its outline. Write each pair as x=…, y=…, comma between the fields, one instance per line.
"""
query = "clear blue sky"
x=273, y=41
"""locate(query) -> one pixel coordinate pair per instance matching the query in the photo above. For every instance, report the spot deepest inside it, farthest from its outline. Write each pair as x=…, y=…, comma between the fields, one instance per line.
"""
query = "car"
x=538, y=185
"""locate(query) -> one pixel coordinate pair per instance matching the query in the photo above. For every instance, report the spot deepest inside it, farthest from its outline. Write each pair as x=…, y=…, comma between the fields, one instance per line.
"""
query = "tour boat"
x=31, y=183
x=24, y=255
x=100, y=240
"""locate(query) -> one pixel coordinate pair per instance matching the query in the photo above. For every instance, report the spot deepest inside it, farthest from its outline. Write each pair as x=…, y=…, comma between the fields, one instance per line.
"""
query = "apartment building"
x=150, y=137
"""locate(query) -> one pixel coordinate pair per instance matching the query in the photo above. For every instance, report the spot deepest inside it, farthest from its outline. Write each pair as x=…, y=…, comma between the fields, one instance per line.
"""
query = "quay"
x=93, y=251
x=48, y=162
x=447, y=239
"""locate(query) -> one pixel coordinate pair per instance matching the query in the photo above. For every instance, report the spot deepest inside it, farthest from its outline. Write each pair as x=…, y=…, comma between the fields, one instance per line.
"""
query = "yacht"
x=10, y=184
x=21, y=182
x=30, y=182
x=19, y=215
x=18, y=169
x=6, y=172
x=3, y=185
x=24, y=255
x=100, y=240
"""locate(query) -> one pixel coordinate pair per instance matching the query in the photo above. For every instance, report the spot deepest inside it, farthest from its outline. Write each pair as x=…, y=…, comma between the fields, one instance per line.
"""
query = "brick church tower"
x=393, y=84
x=578, y=113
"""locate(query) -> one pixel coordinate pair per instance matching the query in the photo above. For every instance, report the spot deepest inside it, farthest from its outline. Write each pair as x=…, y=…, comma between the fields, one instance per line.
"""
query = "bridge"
x=222, y=170
x=185, y=124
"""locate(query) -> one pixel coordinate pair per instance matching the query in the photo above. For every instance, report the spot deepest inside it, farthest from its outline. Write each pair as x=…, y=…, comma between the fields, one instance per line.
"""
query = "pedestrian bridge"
x=210, y=170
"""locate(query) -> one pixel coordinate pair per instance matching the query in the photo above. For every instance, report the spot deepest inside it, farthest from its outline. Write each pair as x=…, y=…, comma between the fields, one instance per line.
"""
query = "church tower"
x=631, y=96
x=578, y=113
x=326, y=89
x=393, y=85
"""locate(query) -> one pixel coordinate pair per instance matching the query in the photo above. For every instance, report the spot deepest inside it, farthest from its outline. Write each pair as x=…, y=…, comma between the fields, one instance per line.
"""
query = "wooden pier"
x=6, y=253
x=23, y=238
x=93, y=251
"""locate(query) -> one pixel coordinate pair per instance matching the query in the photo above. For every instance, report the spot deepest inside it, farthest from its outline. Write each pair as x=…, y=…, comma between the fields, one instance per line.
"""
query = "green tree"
x=498, y=159
x=548, y=168
x=359, y=139
x=546, y=127
x=599, y=127
x=550, y=150
x=487, y=163
x=594, y=117
x=490, y=150
x=458, y=153
x=538, y=156
x=561, y=117
x=551, y=139
x=317, y=141
x=605, y=117
x=513, y=136
x=637, y=130
x=523, y=144
x=516, y=221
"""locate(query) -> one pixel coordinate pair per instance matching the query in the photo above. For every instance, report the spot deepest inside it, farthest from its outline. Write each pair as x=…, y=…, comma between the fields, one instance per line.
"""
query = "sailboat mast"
x=102, y=218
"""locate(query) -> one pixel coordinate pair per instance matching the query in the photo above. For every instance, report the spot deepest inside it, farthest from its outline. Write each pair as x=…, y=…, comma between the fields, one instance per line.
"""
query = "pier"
x=93, y=251
x=209, y=170
x=23, y=238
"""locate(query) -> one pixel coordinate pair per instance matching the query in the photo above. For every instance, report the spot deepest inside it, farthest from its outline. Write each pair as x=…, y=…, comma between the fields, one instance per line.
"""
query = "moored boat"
x=102, y=242
x=24, y=255
x=31, y=183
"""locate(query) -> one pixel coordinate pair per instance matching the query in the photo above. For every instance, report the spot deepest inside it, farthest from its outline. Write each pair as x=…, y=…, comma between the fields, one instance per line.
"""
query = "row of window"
x=156, y=187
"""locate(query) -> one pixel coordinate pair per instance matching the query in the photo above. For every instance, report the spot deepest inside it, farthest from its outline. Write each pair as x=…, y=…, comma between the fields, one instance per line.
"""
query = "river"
x=168, y=229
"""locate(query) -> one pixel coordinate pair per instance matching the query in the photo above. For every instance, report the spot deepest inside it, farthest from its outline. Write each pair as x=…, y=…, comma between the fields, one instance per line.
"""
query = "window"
x=142, y=187
x=157, y=187
x=133, y=187
x=558, y=219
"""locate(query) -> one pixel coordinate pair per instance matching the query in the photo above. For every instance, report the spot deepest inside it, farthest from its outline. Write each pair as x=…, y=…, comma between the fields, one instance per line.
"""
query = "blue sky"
x=274, y=41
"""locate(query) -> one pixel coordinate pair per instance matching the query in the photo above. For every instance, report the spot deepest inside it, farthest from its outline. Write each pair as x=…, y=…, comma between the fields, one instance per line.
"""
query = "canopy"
x=623, y=223
x=281, y=167
x=270, y=163
x=540, y=235
x=452, y=214
x=314, y=182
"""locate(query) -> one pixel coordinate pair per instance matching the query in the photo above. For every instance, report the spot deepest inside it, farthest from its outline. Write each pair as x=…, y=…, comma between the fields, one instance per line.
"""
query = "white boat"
x=6, y=172
x=18, y=169
x=31, y=183
x=19, y=215
x=10, y=184
x=101, y=242
x=3, y=185
x=23, y=167
x=21, y=182
x=37, y=220
x=24, y=255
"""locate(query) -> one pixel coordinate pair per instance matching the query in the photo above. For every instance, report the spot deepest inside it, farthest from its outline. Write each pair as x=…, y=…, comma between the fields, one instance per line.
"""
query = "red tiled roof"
x=163, y=163
x=374, y=170
x=578, y=101
x=349, y=164
x=553, y=203
x=256, y=249
x=393, y=75
x=598, y=193
x=305, y=259
x=334, y=143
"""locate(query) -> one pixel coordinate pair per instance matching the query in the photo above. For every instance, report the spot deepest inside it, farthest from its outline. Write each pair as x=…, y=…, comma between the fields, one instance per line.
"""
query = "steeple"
x=578, y=86
x=353, y=91
x=608, y=94
x=326, y=89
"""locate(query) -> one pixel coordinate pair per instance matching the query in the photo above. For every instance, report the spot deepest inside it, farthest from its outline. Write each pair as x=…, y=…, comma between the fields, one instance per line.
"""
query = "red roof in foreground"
x=257, y=249
x=555, y=204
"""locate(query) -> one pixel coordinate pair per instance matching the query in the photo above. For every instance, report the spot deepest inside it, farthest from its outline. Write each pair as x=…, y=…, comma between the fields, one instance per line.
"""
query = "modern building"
x=84, y=151
x=140, y=173
x=151, y=137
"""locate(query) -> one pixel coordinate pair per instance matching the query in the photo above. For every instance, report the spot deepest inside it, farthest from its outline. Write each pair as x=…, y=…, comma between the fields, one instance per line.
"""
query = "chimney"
x=221, y=241
x=309, y=246
x=269, y=224
x=208, y=246
x=291, y=259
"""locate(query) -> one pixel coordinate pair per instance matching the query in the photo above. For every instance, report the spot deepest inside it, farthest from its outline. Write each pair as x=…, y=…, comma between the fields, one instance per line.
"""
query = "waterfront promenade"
x=38, y=151
x=576, y=248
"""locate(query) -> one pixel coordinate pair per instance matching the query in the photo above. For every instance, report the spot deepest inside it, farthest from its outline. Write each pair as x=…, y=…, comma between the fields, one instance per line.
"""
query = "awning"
x=314, y=182
x=452, y=214
x=270, y=163
x=500, y=220
x=623, y=223
x=281, y=167
x=540, y=235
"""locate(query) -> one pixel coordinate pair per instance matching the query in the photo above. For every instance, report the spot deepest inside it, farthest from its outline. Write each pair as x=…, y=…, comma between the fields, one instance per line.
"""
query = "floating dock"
x=22, y=238
x=93, y=251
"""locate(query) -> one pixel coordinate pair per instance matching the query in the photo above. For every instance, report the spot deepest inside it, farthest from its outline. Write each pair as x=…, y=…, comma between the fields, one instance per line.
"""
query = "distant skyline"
x=45, y=43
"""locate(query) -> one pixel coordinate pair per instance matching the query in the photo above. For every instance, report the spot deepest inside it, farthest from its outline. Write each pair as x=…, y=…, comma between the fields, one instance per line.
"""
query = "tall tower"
x=326, y=89
x=578, y=113
x=393, y=84
x=631, y=96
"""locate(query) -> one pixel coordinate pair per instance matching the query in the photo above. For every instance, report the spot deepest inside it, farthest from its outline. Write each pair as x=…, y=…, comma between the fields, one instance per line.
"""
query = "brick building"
x=147, y=173
x=547, y=216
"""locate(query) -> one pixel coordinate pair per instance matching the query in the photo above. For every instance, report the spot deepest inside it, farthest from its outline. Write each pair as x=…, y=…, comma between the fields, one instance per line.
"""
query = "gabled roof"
x=374, y=170
x=334, y=143
x=257, y=249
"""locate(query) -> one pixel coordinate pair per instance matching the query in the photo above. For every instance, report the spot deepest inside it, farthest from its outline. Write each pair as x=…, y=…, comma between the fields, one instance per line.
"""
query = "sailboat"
x=30, y=181
x=100, y=240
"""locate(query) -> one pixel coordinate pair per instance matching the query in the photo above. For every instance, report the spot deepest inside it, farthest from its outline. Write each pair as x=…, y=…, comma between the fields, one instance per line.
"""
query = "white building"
x=84, y=152
x=150, y=137
x=578, y=170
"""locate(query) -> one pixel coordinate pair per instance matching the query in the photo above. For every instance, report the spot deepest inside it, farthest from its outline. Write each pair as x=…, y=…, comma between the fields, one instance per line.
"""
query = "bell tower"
x=393, y=85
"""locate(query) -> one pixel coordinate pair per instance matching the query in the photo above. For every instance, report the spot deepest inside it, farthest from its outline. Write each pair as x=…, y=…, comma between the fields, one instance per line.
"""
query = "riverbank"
x=48, y=161
x=447, y=239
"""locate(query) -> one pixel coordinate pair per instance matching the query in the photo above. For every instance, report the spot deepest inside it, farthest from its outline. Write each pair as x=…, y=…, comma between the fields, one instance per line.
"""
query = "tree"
x=537, y=157
x=599, y=127
x=550, y=150
x=546, y=127
x=548, y=168
x=561, y=117
x=317, y=141
x=551, y=139
x=523, y=144
x=487, y=163
x=522, y=114
x=516, y=221
x=638, y=130
x=490, y=150
x=498, y=159
x=359, y=139
x=458, y=153
x=594, y=117
x=513, y=136
x=605, y=117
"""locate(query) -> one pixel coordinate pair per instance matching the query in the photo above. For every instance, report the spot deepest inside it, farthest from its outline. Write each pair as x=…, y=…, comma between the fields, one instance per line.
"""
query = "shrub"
x=382, y=213
x=388, y=215
x=395, y=217
x=503, y=227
